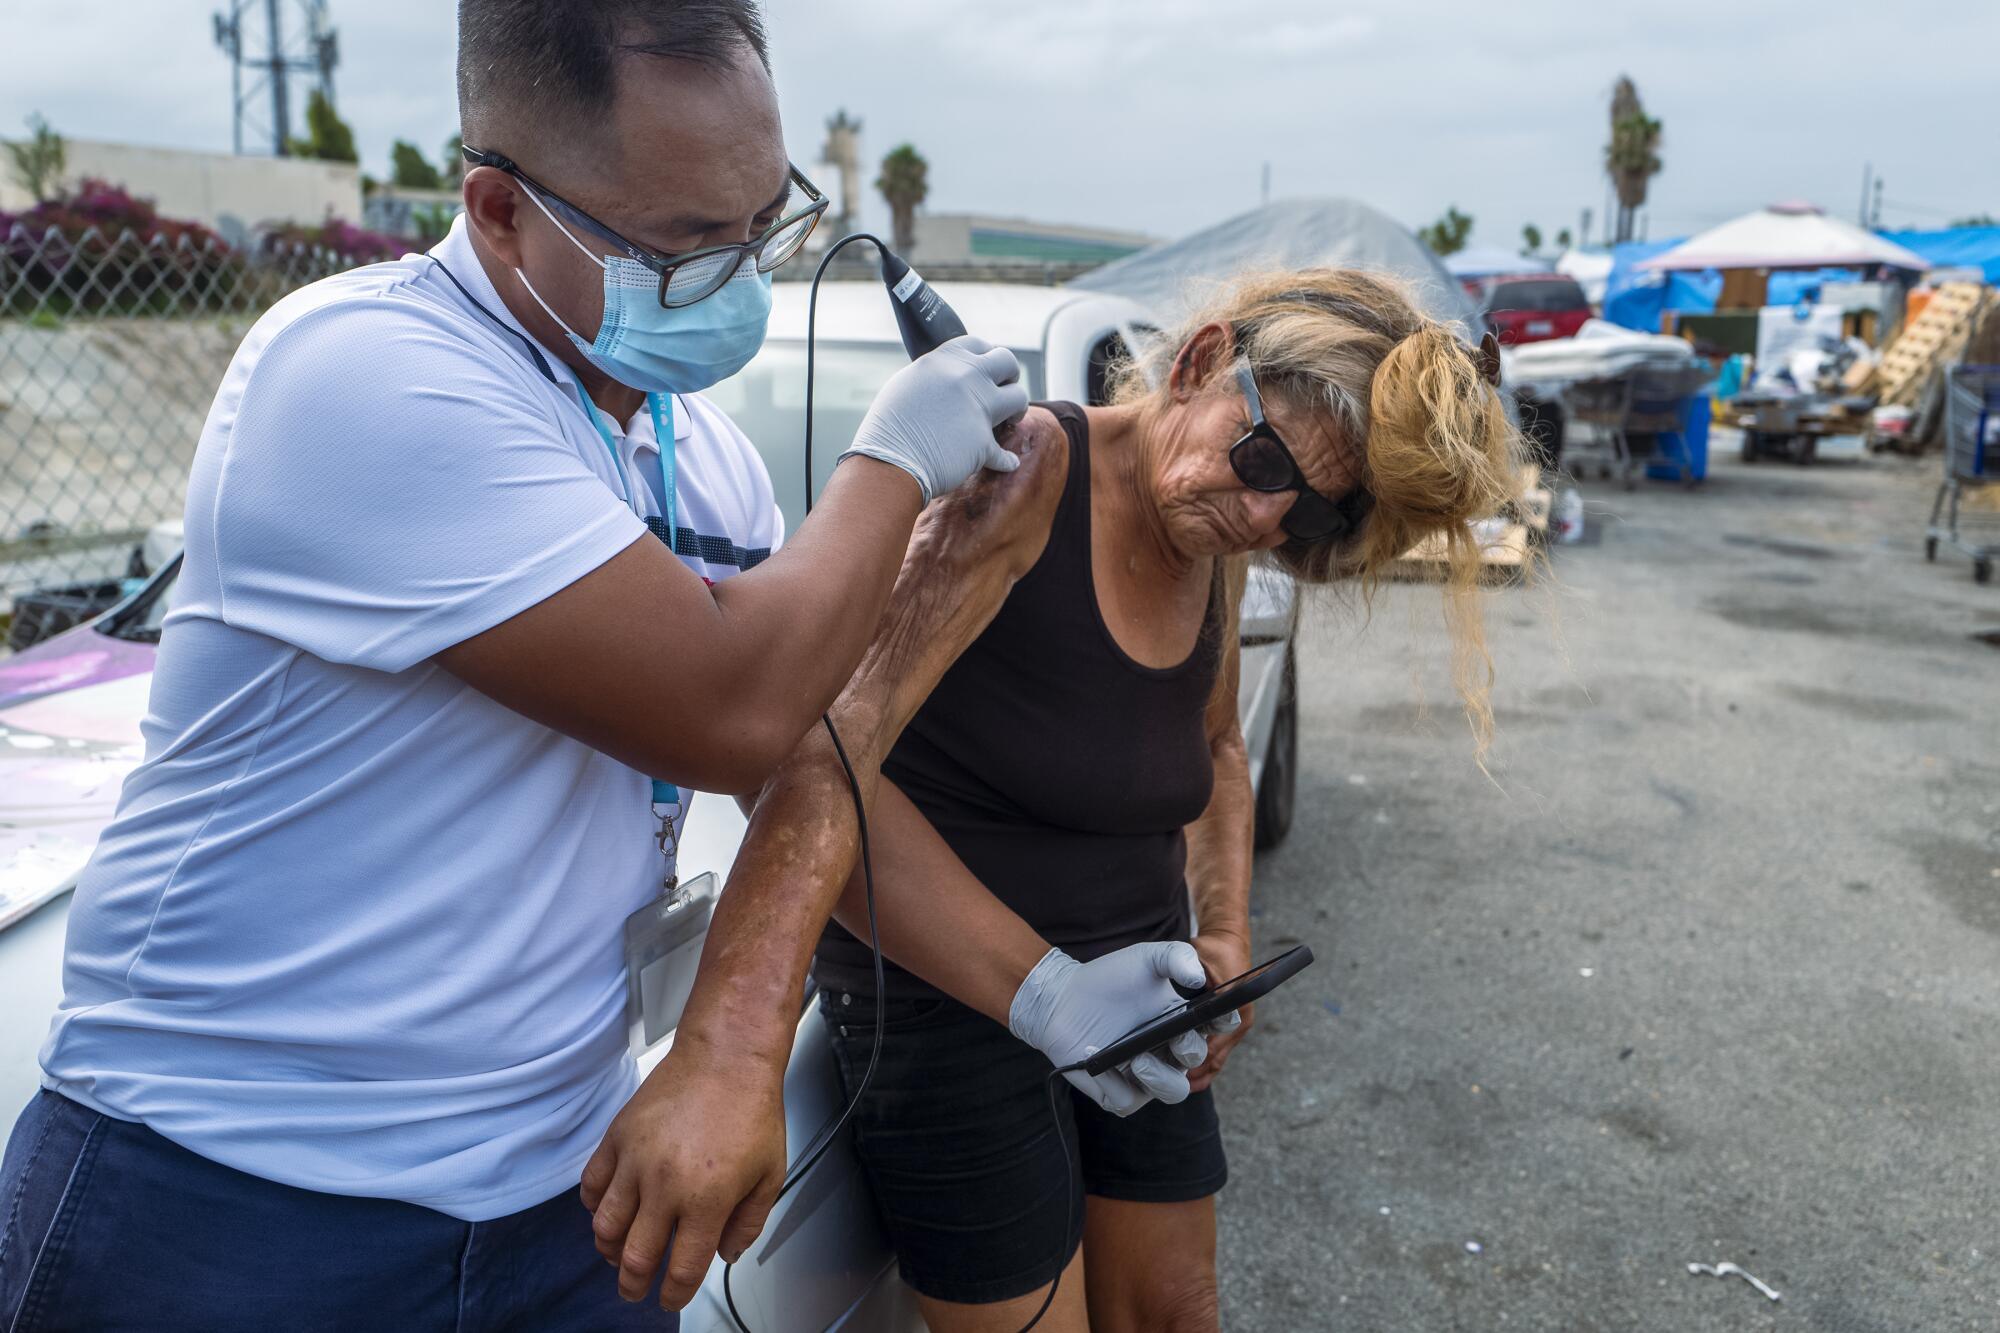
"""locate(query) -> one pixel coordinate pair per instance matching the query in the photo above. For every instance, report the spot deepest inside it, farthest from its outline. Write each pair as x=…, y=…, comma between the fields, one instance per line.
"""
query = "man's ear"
x=1206, y=353
x=492, y=209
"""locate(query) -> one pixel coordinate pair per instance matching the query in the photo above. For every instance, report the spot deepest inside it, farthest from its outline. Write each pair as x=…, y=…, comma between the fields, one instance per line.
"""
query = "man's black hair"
x=537, y=62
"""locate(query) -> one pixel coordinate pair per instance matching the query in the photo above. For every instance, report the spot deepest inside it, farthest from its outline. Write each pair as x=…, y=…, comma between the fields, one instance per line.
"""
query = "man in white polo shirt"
x=475, y=588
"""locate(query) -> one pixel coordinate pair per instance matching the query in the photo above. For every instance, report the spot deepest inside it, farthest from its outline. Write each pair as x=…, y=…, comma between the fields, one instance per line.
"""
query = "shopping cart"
x=1630, y=412
x=1971, y=460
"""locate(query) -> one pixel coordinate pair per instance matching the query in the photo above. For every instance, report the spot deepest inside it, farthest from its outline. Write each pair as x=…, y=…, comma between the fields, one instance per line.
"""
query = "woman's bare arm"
x=803, y=842
x=935, y=918
x=1219, y=846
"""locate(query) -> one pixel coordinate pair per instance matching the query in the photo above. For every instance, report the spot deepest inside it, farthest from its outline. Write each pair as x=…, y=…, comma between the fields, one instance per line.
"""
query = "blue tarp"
x=1955, y=247
x=1635, y=298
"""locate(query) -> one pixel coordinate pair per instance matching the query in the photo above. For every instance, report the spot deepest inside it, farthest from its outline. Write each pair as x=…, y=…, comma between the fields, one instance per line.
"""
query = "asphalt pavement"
x=1707, y=970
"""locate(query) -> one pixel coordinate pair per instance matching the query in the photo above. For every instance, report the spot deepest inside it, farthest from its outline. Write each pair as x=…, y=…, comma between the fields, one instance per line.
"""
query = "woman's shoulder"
x=1075, y=422
x=1070, y=414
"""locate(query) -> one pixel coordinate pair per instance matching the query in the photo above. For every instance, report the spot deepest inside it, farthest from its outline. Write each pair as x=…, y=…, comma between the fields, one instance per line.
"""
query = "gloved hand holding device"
x=1067, y=1010
x=935, y=417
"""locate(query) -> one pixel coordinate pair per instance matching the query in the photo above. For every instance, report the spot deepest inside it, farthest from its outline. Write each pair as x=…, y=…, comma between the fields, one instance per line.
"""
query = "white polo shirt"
x=356, y=927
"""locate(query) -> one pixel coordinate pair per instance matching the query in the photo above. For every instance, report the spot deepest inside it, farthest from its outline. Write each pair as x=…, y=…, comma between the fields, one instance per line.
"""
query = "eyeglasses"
x=1263, y=463
x=696, y=274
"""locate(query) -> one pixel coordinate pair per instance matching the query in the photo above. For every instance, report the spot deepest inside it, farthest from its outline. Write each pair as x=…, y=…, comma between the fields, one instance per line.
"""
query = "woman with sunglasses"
x=1078, y=778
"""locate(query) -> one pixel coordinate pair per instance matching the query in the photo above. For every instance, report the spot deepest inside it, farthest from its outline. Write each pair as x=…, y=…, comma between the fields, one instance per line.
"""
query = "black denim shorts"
x=957, y=1136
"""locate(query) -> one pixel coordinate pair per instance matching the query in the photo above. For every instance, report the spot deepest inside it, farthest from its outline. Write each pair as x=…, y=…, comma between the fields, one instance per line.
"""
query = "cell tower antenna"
x=264, y=53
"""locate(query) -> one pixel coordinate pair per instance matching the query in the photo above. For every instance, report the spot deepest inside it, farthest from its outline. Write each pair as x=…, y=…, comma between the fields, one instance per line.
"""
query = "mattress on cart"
x=1600, y=350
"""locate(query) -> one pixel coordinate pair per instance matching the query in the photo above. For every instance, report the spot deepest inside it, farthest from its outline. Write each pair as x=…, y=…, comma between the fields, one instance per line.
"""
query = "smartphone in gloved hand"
x=1200, y=1007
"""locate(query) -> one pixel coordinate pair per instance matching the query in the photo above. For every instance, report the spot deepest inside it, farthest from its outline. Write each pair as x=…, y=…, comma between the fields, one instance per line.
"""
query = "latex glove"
x=935, y=417
x=1069, y=1010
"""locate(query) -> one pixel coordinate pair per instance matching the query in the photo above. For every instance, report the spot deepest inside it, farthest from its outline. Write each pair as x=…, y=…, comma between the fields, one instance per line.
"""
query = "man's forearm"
x=806, y=610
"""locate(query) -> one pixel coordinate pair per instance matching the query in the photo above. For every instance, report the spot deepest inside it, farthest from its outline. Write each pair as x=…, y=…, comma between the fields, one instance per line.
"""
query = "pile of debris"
x=1960, y=323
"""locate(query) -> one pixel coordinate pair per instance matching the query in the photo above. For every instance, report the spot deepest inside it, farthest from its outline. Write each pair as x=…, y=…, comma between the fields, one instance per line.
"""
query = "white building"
x=977, y=238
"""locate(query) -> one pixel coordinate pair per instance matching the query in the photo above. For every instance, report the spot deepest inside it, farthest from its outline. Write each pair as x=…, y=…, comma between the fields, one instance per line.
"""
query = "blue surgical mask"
x=647, y=346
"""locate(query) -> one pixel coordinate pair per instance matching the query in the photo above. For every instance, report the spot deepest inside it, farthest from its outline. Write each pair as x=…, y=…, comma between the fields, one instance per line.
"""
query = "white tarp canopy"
x=1174, y=277
x=1590, y=269
x=1484, y=261
x=1784, y=236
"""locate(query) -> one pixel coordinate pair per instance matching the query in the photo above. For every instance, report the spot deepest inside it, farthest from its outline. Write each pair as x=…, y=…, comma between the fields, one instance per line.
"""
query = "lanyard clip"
x=670, y=810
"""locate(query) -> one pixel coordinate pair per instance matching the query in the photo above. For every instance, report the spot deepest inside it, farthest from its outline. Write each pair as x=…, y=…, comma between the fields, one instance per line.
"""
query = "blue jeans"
x=108, y=1226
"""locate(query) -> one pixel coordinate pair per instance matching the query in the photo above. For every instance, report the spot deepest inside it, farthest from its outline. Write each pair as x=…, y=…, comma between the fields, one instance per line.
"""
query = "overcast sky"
x=1158, y=114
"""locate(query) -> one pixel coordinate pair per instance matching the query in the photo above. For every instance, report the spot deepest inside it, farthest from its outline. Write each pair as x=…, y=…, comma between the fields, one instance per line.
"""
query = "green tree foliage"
x=1632, y=157
x=454, y=160
x=1976, y=220
x=1563, y=240
x=410, y=169
x=905, y=184
x=1531, y=239
x=1448, y=235
x=432, y=221
x=328, y=137
x=39, y=160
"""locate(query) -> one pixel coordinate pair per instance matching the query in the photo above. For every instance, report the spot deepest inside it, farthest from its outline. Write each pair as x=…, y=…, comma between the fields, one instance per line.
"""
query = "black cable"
x=832, y=1132
x=1069, y=1194
x=812, y=316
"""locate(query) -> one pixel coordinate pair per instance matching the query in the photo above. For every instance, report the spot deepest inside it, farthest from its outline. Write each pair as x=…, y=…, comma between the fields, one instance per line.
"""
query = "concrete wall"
x=235, y=195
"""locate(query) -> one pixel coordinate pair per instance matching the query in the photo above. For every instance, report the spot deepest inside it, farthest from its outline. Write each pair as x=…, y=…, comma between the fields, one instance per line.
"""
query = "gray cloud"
x=1158, y=114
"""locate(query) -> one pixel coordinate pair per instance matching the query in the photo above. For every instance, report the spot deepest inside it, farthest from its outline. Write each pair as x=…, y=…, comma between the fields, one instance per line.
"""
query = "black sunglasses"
x=1263, y=463
x=697, y=274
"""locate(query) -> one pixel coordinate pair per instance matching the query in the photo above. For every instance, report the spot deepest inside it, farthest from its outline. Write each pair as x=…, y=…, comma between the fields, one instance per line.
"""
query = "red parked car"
x=1533, y=307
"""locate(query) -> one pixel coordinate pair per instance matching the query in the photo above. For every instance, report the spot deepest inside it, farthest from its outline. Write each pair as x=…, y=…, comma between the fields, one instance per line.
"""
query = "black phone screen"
x=1205, y=1007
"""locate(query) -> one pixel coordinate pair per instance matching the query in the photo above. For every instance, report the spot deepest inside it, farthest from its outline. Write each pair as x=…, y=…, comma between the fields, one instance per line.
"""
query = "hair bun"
x=1434, y=429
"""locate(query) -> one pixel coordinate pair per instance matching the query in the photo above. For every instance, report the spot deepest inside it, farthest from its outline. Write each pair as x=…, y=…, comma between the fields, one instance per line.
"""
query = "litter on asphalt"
x=1726, y=1269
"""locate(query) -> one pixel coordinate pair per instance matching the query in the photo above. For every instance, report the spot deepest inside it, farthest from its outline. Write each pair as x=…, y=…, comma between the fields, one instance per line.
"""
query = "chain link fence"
x=111, y=348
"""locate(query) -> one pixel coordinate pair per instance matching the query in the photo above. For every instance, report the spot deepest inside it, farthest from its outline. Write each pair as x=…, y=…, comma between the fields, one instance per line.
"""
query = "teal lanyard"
x=664, y=793
x=663, y=433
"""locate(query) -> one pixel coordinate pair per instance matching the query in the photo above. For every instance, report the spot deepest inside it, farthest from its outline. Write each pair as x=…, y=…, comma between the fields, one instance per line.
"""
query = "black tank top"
x=1059, y=770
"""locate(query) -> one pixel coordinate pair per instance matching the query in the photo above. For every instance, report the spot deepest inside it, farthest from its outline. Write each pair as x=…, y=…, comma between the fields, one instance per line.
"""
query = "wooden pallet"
x=1504, y=554
x=1501, y=558
x=1932, y=339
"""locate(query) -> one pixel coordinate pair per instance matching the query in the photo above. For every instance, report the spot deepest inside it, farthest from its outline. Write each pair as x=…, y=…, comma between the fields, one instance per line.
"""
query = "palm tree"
x=1632, y=158
x=904, y=183
x=1447, y=236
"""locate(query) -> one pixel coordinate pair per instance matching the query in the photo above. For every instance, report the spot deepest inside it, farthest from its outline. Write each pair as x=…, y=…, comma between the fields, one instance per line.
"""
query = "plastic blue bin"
x=1689, y=442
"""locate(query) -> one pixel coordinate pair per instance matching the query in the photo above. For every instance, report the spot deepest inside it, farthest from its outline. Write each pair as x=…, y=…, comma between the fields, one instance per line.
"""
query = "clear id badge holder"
x=662, y=947
x=663, y=943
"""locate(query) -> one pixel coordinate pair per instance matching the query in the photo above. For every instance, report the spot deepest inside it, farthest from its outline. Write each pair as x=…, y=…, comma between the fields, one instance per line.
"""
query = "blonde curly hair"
x=1438, y=451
